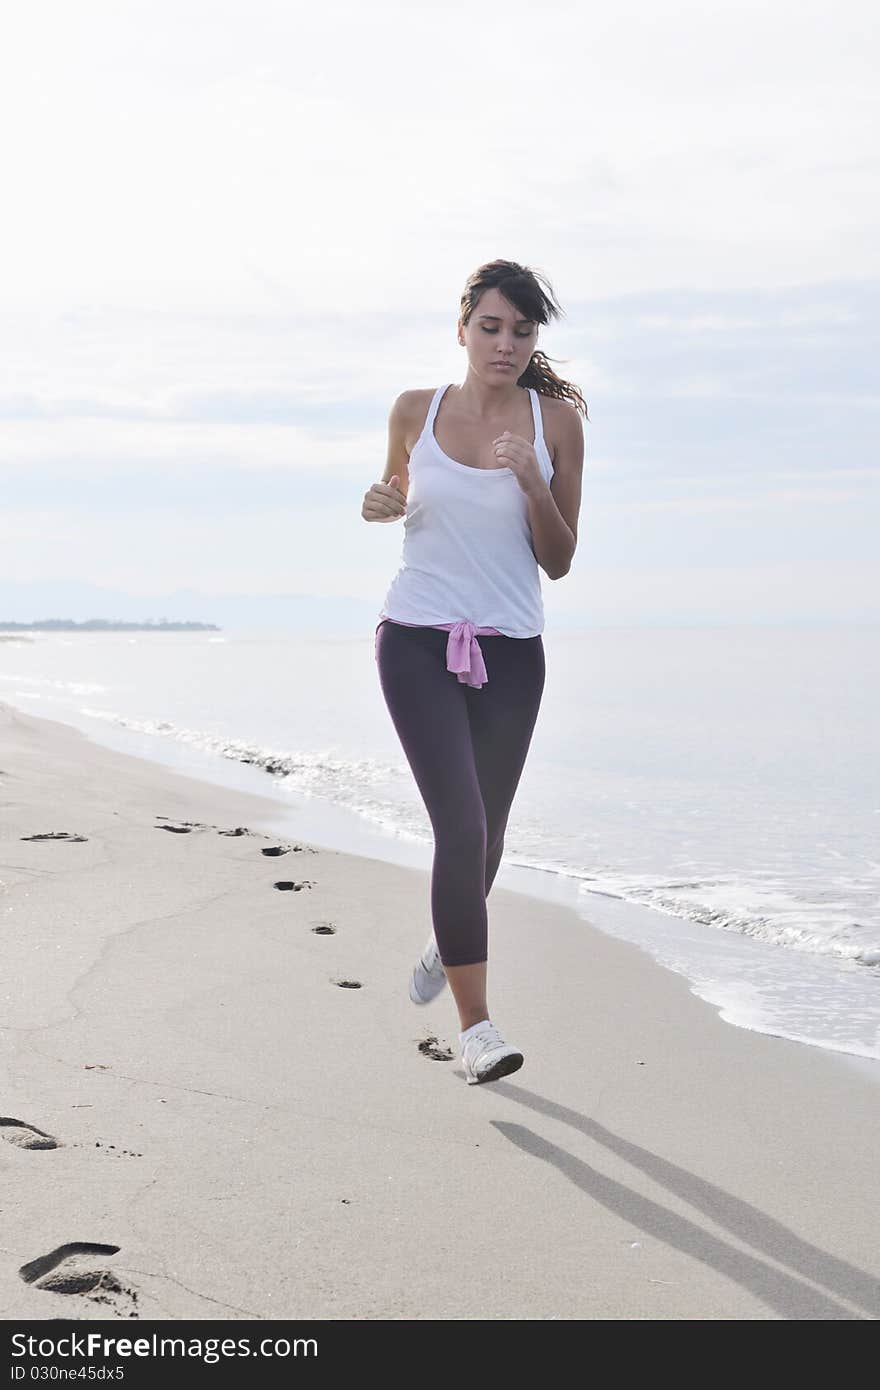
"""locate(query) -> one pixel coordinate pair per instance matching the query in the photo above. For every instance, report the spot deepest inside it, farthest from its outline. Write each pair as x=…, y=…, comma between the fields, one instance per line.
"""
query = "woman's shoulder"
x=418, y=396
x=557, y=407
x=413, y=406
x=561, y=422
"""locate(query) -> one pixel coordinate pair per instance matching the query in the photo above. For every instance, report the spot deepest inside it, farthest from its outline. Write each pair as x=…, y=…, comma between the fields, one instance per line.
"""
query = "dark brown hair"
x=522, y=287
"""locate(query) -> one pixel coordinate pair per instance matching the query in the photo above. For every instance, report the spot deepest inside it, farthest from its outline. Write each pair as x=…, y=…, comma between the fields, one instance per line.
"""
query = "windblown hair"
x=523, y=287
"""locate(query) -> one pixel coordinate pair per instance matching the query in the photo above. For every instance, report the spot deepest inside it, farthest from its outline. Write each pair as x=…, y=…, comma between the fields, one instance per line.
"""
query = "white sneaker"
x=428, y=977
x=487, y=1057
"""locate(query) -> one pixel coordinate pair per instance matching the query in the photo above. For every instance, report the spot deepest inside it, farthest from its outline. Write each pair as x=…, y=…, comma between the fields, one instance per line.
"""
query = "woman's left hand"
x=517, y=454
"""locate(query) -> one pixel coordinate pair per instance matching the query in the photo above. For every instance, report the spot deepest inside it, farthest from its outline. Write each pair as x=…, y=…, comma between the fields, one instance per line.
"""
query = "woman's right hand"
x=384, y=501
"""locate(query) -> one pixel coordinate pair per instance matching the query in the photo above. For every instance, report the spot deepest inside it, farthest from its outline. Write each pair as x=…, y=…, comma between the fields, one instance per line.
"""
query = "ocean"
x=710, y=794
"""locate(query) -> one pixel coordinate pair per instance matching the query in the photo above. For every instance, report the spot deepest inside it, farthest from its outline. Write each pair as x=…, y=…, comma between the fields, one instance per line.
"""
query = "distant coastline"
x=106, y=625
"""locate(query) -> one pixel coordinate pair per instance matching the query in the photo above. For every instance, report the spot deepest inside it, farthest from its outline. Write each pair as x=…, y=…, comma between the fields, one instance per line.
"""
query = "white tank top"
x=467, y=554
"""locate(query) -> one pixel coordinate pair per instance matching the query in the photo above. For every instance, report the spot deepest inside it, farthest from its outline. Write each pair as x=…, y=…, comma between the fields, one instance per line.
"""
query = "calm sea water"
x=712, y=794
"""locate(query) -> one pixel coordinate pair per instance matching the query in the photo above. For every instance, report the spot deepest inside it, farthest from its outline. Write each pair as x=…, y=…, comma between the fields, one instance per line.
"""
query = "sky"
x=234, y=233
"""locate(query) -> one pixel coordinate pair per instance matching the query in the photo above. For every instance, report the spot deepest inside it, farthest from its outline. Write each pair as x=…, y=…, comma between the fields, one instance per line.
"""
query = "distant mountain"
x=23, y=605
x=103, y=625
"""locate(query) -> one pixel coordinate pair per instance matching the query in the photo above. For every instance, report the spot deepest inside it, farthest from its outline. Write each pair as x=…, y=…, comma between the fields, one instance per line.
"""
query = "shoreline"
x=258, y=1142
x=760, y=988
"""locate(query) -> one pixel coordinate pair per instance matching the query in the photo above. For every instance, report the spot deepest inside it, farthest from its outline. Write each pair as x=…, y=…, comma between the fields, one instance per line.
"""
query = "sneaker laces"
x=488, y=1035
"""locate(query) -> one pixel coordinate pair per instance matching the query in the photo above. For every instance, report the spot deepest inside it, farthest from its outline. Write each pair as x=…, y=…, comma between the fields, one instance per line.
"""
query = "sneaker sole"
x=503, y=1067
x=417, y=998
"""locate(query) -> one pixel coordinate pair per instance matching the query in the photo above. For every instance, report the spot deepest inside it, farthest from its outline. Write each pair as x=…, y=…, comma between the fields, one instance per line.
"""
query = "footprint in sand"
x=275, y=850
x=348, y=984
x=55, y=835
x=74, y=1269
x=324, y=929
x=285, y=885
x=183, y=827
x=25, y=1136
x=431, y=1047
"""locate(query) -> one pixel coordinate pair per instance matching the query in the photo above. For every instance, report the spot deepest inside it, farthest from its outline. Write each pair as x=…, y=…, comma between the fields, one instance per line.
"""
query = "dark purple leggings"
x=467, y=748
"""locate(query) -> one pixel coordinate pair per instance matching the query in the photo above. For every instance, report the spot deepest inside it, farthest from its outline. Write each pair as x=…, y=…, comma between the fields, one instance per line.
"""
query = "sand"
x=200, y=1120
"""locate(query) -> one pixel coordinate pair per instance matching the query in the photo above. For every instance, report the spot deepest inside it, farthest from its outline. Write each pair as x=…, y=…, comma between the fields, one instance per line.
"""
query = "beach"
x=219, y=1102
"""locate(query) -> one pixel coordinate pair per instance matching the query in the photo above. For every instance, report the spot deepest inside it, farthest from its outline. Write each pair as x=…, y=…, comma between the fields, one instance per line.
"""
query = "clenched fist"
x=384, y=501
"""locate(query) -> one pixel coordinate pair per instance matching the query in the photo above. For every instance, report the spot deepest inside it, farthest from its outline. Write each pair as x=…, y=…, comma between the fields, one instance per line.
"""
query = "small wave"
x=73, y=687
x=309, y=772
x=828, y=937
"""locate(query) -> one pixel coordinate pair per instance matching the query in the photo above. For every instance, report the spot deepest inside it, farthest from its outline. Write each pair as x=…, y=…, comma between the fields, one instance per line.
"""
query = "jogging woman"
x=488, y=476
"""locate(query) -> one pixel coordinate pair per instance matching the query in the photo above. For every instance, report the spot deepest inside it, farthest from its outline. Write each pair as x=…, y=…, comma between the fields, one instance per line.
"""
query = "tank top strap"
x=536, y=416
x=432, y=411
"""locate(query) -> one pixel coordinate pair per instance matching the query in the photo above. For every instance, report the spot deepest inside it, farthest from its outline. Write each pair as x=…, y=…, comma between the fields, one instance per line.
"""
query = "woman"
x=488, y=476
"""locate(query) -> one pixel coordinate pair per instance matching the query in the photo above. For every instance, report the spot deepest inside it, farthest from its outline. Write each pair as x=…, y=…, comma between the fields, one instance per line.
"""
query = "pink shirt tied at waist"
x=463, y=655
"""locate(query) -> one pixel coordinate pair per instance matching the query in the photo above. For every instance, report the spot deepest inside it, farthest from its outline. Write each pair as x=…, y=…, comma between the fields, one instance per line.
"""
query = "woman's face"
x=498, y=332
